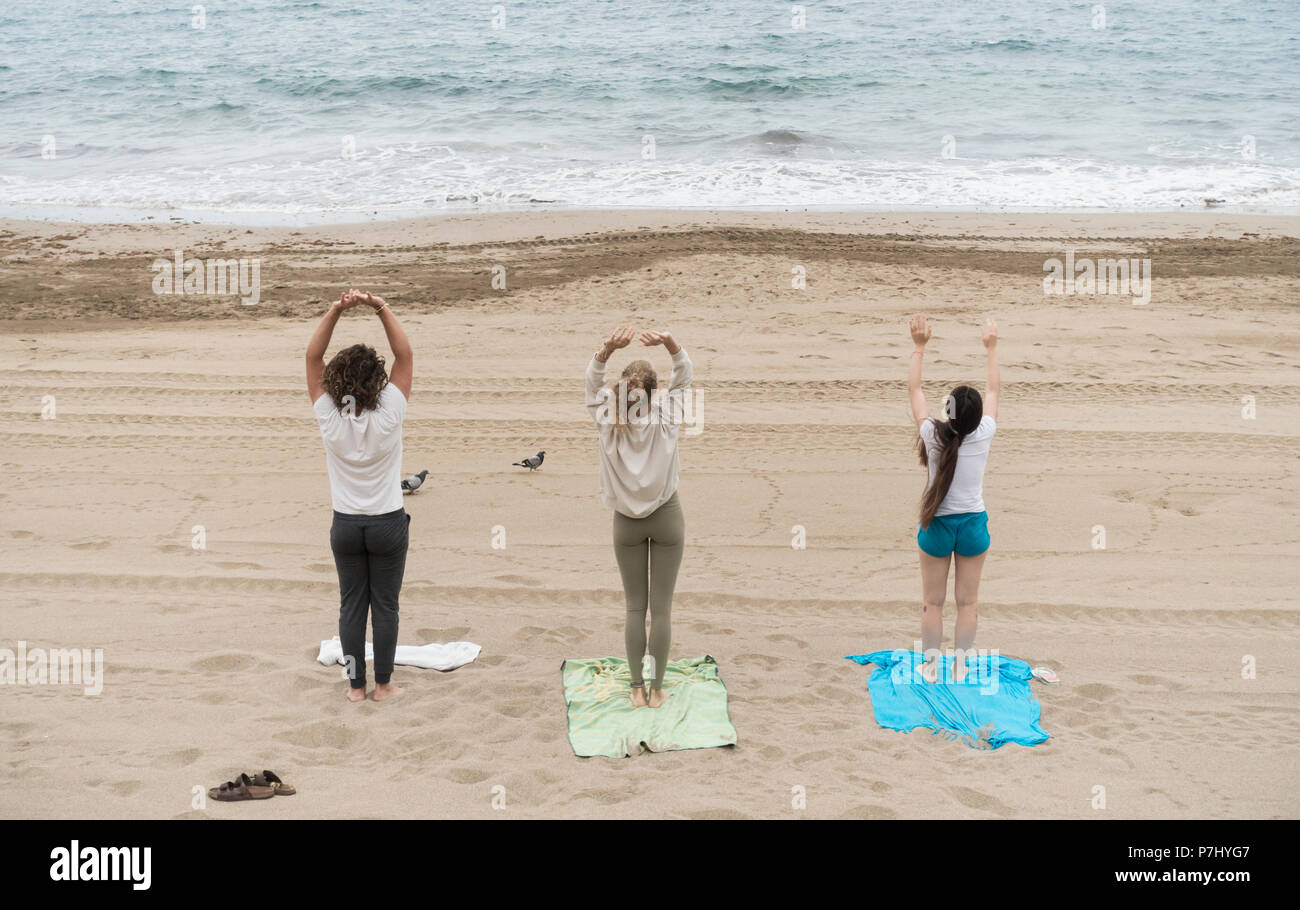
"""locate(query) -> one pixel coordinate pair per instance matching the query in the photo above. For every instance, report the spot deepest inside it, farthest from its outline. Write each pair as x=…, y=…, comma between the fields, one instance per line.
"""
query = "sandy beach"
x=172, y=412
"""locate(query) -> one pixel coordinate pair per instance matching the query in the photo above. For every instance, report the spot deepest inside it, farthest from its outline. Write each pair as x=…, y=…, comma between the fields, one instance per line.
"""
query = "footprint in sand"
x=1143, y=679
x=974, y=799
x=842, y=695
x=530, y=634
x=869, y=811
x=321, y=735
x=765, y=661
x=607, y=797
x=722, y=814
x=185, y=757
x=809, y=757
x=90, y=545
x=305, y=683
x=517, y=708
x=126, y=787
x=518, y=580
x=782, y=639
x=467, y=775
x=1156, y=791
x=1095, y=691
x=224, y=663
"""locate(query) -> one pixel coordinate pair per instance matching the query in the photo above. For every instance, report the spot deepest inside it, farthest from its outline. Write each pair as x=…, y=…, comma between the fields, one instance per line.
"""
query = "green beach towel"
x=603, y=721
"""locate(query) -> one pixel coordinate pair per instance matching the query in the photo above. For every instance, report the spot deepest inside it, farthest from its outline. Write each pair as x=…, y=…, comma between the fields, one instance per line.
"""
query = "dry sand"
x=174, y=412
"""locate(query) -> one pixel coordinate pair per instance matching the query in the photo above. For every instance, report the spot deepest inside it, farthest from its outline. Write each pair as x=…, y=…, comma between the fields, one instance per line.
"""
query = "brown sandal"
x=272, y=780
x=235, y=790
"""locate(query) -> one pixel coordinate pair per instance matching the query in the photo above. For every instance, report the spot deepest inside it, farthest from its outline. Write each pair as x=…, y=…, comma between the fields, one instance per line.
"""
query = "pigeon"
x=533, y=463
x=412, y=483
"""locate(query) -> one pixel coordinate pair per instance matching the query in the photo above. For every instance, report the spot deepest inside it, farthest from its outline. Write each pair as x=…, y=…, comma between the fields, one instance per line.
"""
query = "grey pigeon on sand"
x=533, y=463
x=412, y=483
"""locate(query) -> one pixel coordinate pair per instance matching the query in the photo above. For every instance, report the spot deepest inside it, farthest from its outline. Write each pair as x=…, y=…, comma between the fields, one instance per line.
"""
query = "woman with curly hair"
x=360, y=409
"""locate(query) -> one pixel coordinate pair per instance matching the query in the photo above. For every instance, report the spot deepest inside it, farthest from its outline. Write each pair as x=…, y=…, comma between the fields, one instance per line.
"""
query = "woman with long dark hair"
x=360, y=408
x=954, y=526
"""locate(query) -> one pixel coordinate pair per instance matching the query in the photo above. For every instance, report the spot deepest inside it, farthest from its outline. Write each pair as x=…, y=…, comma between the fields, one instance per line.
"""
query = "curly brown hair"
x=358, y=372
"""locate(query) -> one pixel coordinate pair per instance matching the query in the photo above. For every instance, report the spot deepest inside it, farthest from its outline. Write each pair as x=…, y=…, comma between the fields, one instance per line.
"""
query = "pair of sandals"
x=262, y=785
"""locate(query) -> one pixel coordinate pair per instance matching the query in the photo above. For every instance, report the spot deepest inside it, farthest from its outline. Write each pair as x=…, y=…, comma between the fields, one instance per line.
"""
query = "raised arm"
x=683, y=369
x=320, y=340
x=989, y=334
x=620, y=338
x=920, y=335
x=403, y=369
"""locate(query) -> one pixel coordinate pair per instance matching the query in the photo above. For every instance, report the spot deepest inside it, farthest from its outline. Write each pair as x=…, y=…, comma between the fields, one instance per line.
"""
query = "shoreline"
x=510, y=226
x=256, y=218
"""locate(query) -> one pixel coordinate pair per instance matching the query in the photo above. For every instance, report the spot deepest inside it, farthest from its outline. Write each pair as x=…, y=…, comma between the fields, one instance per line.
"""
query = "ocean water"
x=299, y=110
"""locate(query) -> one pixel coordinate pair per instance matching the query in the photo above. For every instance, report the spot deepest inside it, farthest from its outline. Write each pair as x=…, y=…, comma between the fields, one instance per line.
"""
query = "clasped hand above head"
x=353, y=297
x=621, y=338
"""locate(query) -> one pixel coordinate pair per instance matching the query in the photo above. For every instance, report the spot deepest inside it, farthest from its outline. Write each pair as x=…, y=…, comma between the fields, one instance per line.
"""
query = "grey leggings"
x=370, y=555
x=649, y=553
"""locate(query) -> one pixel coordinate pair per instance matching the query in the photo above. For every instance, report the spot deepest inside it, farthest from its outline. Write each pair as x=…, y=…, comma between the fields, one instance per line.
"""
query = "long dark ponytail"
x=965, y=409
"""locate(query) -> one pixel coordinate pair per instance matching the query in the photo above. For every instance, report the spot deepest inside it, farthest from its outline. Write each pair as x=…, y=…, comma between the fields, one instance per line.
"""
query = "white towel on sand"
x=432, y=656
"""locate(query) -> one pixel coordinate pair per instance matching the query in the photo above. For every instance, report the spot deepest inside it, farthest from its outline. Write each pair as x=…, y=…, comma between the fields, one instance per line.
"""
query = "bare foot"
x=386, y=690
x=930, y=671
x=657, y=698
x=356, y=694
x=638, y=696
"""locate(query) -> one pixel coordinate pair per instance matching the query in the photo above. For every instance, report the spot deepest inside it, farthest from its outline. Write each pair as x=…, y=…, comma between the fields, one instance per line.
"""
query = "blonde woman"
x=638, y=480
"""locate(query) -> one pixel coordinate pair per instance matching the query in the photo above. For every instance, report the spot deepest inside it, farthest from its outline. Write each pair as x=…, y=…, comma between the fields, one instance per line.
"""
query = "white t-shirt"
x=639, y=464
x=967, y=491
x=364, y=453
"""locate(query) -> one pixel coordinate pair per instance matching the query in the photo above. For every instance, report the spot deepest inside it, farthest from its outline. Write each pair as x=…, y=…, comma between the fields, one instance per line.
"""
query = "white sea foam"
x=411, y=180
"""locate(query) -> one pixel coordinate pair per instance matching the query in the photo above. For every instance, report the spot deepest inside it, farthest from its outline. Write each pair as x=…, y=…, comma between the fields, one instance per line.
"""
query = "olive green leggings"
x=649, y=552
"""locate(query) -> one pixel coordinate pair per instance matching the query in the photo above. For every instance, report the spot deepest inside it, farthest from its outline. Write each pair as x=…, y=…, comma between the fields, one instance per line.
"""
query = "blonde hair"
x=638, y=374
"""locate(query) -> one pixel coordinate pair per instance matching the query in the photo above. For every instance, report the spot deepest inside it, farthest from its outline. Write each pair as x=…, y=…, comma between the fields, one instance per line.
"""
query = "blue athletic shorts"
x=967, y=534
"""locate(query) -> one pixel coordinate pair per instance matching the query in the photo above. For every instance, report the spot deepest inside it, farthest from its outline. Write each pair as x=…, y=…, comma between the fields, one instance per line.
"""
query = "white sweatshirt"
x=638, y=464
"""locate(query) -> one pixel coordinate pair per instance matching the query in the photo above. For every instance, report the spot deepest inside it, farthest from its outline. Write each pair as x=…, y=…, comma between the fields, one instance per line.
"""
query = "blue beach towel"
x=992, y=706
